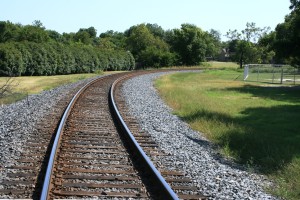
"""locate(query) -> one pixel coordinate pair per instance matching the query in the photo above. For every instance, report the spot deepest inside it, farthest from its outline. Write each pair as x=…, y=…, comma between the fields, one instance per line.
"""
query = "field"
x=253, y=123
x=285, y=74
x=210, y=65
x=22, y=86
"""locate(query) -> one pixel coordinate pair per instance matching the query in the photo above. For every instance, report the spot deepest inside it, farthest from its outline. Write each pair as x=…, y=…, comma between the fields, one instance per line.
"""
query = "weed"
x=255, y=124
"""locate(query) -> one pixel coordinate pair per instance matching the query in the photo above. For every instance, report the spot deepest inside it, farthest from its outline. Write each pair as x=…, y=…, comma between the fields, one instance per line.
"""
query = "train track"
x=94, y=154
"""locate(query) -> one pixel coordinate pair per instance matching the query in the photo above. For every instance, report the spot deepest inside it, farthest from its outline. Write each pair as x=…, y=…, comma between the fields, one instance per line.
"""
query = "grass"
x=255, y=124
x=220, y=65
x=34, y=84
x=209, y=65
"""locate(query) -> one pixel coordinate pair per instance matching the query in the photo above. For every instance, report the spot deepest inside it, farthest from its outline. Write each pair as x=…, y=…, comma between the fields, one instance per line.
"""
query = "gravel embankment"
x=190, y=151
x=18, y=120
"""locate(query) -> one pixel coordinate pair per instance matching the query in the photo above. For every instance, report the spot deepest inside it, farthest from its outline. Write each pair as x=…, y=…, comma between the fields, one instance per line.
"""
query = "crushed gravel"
x=18, y=121
x=189, y=151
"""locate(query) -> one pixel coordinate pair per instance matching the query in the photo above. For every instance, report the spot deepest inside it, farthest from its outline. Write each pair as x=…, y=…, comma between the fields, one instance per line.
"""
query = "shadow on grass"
x=287, y=94
x=267, y=137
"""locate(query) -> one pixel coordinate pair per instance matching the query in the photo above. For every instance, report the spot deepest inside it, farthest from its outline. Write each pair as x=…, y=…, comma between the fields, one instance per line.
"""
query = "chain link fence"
x=276, y=74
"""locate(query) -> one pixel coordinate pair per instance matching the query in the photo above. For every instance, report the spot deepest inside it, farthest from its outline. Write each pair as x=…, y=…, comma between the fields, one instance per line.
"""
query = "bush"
x=30, y=58
x=153, y=57
x=11, y=62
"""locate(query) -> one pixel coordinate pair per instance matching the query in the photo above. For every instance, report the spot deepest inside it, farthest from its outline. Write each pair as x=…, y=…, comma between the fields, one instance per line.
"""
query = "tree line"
x=260, y=45
x=34, y=50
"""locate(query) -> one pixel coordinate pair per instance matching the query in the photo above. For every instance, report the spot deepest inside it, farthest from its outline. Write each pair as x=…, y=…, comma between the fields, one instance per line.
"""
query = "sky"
x=119, y=15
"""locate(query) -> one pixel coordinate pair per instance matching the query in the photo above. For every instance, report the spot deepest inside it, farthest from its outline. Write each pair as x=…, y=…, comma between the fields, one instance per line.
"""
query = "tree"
x=287, y=38
x=246, y=43
x=147, y=49
x=213, y=41
x=9, y=31
x=68, y=38
x=139, y=39
x=83, y=37
x=38, y=23
x=113, y=39
x=54, y=35
x=33, y=34
x=295, y=4
x=266, y=44
x=189, y=43
x=216, y=35
x=156, y=30
x=92, y=31
x=11, y=63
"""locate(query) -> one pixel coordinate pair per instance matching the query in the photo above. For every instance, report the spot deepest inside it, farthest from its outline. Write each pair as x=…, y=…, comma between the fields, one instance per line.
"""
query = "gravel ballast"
x=19, y=120
x=189, y=151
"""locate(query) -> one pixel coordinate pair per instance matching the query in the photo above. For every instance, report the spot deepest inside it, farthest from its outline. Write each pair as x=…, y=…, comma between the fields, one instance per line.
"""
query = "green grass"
x=209, y=65
x=34, y=84
x=255, y=124
x=220, y=65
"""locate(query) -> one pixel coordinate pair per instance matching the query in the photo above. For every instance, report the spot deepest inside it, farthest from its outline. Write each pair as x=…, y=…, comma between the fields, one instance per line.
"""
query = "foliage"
x=156, y=30
x=11, y=62
x=113, y=40
x=83, y=51
x=153, y=57
x=266, y=46
x=244, y=44
x=189, y=44
x=149, y=50
x=30, y=58
x=33, y=50
x=287, y=38
x=149, y=44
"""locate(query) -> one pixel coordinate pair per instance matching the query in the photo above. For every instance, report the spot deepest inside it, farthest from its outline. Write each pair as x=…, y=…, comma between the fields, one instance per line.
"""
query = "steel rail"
x=166, y=190
x=47, y=179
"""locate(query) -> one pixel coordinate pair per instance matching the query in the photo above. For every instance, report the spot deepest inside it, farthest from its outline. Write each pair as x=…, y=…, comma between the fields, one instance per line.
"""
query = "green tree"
x=92, y=31
x=266, y=44
x=9, y=31
x=55, y=36
x=83, y=37
x=38, y=23
x=145, y=46
x=86, y=35
x=139, y=39
x=11, y=63
x=287, y=39
x=190, y=43
x=213, y=41
x=295, y=4
x=156, y=30
x=247, y=50
x=33, y=34
x=113, y=39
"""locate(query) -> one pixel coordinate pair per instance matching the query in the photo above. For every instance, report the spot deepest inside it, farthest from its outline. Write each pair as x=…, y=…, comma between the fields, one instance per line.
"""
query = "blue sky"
x=119, y=15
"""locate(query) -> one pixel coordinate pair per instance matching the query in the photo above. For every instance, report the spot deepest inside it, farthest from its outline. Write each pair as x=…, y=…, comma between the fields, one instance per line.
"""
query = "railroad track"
x=93, y=155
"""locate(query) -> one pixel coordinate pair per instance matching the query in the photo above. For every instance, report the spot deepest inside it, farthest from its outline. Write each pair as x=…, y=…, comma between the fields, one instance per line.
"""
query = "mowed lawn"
x=22, y=86
x=257, y=125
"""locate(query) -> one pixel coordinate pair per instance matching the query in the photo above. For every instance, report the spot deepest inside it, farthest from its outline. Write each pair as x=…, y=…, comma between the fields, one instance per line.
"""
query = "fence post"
x=273, y=75
x=281, y=78
x=294, y=75
x=246, y=72
x=257, y=72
